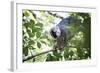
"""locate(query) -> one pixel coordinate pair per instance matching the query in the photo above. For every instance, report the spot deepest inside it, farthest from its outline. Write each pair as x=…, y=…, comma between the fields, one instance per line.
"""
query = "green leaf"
x=66, y=54
x=38, y=44
x=26, y=25
x=30, y=34
x=43, y=42
x=31, y=42
x=80, y=53
x=31, y=48
x=39, y=24
x=38, y=34
x=25, y=51
x=32, y=22
x=51, y=58
x=56, y=54
x=26, y=14
x=29, y=24
x=36, y=29
x=71, y=53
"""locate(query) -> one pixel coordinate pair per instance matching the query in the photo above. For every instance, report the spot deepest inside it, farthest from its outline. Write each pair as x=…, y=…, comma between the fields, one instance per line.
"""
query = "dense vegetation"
x=36, y=40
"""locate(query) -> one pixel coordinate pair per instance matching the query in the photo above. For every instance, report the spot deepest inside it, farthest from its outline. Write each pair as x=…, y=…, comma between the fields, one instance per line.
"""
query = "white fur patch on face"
x=57, y=30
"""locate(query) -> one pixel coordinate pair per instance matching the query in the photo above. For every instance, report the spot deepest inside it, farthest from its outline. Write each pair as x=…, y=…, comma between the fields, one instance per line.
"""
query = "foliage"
x=37, y=40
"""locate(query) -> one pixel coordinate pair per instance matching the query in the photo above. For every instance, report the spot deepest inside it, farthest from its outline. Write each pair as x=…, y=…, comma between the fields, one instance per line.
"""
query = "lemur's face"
x=55, y=32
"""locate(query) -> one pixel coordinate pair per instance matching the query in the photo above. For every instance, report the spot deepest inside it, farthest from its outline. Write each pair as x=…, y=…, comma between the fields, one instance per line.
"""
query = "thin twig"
x=55, y=15
x=30, y=57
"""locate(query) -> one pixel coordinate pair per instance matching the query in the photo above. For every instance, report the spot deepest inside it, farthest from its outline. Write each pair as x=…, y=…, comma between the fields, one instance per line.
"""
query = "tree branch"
x=55, y=15
x=30, y=57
